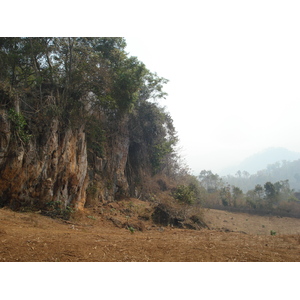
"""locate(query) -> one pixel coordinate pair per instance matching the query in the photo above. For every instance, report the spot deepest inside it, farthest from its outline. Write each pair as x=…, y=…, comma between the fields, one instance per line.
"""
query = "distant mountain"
x=261, y=160
x=284, y=170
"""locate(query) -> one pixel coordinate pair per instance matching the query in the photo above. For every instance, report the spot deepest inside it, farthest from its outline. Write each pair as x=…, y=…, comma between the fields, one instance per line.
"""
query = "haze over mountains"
x=271, y=165
x=261, y=160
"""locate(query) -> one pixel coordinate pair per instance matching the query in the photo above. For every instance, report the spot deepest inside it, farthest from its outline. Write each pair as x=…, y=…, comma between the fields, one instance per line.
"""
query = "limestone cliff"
x=55, y=166
x=78, y=124
x=52, y=167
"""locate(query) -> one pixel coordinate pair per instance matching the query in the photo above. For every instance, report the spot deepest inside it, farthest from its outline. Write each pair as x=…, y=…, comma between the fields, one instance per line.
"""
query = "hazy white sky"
x=234, y=71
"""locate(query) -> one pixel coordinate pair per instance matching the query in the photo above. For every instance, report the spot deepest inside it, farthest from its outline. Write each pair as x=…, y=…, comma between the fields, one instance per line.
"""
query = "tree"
x=225, y=195
x=237, y=194
x=238, y=174
x=246, y=174
x=259, y=191
x=210, y=181
x=255, y=197
x=283, y=191
x=72, y=68
x=152, y=137
x=270, y=194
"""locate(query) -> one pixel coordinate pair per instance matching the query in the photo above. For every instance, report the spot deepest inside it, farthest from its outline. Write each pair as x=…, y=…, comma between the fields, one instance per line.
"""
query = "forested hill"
x=261, y=160
x=79, y=123
x=278, y=171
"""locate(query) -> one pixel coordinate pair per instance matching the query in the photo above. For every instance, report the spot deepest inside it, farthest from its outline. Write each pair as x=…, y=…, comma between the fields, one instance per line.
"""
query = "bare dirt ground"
x=99, y=235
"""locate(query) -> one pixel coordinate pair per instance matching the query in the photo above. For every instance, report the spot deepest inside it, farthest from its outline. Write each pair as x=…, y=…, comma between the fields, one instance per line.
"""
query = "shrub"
x=184, y=194
x=55, y=210
x=19, y=125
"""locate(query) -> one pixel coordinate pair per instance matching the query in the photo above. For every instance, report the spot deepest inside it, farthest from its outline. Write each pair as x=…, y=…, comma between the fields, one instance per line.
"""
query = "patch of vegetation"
x=19, y=126
x=170, y=212
x=95, y=137
x=55, y=210
x=270, y=198
x=184, y=194
x=131, y=229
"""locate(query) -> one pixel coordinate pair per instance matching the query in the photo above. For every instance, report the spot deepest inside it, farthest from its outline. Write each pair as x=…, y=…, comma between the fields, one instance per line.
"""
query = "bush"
x=19, y=125
x=184, y=194
x=55, y=210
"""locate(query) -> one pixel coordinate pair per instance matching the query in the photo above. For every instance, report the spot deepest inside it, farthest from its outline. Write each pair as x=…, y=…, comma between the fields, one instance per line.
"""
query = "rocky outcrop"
x=78, y=122
x=166, y=214
x=107, y=173
x=55, y=167
x=51, y=167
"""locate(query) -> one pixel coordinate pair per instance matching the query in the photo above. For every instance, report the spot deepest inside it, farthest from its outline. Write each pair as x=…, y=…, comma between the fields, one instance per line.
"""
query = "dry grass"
x=92, y=236
x=251, y=224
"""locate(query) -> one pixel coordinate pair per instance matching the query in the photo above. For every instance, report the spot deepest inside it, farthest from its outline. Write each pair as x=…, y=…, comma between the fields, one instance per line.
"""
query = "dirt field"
x=91, y=236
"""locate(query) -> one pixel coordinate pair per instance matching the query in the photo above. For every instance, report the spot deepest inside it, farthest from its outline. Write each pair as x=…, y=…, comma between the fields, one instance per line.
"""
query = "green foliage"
x=197, y=189
x=184, y=194
x=272, y=232
x=70, y=68
x=275, y=197
x=95, y=137
x=92, y=190
x=19, y=126
x=56, y=209
x=7, y=93
x=225, y=195
x=270, y=191
x=273, y=173
x=159, y=153
x=131, y=229
x=237, y=195
x=212, y=182
x=152, y=138
x=127, y=83
x=255, y=198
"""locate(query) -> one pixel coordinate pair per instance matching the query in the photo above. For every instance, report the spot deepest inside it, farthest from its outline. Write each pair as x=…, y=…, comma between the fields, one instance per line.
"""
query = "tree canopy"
x=71, y=68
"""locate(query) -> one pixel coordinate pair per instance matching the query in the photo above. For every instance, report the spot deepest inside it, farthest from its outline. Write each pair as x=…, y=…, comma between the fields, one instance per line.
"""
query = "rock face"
x=52, y=167
x=107, y=173
x=78, y=124
x=58, y=166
